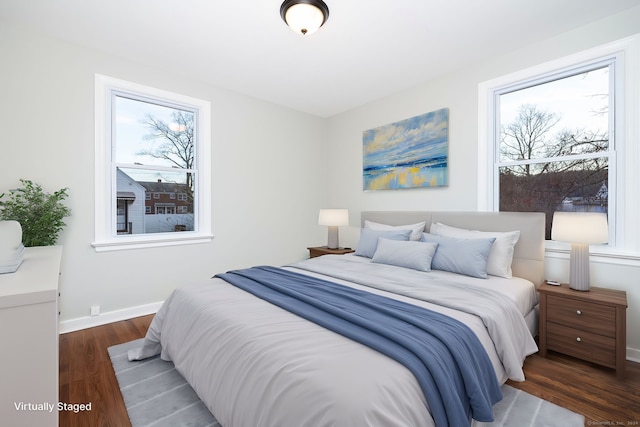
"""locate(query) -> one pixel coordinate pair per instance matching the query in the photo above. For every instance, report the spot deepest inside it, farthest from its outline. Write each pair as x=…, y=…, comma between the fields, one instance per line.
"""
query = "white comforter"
x=254, y=364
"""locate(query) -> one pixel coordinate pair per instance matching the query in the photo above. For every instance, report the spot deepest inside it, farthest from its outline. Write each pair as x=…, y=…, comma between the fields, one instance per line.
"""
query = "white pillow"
x=415, y=255
x=416, y=229
x=501, y=255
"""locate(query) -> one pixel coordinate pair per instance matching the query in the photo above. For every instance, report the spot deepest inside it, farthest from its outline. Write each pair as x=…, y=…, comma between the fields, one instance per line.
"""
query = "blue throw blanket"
x=449, y=362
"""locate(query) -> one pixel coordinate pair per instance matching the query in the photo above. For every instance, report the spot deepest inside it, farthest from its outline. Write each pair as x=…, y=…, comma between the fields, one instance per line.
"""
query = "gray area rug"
x=155, y=394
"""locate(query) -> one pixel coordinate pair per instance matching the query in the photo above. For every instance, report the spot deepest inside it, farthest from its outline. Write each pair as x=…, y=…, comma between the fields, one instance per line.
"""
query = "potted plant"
x=40, y=214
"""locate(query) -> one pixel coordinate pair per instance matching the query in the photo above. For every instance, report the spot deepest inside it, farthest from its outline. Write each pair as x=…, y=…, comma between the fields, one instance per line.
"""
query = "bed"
x=254, y=363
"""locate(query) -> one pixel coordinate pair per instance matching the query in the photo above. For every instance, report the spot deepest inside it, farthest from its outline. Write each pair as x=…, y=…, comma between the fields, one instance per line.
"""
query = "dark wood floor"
x=86, y=376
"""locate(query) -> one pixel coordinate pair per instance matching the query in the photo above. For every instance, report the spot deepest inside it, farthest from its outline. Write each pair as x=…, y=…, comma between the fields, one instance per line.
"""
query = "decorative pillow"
x=462, y=256
x=415, y=255
x=369, y=240
x=416, y=229
x=501, y=255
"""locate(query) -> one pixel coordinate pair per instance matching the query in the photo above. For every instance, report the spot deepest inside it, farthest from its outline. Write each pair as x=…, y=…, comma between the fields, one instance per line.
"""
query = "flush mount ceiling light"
x=304, y=16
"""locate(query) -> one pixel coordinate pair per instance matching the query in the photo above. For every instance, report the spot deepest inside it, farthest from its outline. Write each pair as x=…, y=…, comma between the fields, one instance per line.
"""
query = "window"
x=552, y=138
x=165, y=210
x=553, y=143
x=151, y=142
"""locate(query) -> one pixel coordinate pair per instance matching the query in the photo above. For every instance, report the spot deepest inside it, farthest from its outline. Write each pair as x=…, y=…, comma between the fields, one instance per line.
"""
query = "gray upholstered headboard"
x=528, y=258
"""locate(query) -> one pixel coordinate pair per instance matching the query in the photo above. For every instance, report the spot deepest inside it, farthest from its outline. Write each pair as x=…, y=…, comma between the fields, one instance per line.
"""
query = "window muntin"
x=553, y=143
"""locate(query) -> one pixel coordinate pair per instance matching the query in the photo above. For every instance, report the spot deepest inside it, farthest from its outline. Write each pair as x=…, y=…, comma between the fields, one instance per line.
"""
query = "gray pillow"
x=415, y=255
x=462, y=256
x=369, y=240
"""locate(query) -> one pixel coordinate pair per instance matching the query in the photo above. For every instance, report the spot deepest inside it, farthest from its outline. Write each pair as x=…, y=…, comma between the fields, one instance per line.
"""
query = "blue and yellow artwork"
x=407, y=154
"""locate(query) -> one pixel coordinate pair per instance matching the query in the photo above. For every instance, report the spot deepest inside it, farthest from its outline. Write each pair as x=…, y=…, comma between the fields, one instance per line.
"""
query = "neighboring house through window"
x=150, y=141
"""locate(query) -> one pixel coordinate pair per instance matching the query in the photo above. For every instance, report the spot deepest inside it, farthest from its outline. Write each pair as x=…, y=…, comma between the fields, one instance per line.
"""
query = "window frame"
x=624, y=238
x=106, y=238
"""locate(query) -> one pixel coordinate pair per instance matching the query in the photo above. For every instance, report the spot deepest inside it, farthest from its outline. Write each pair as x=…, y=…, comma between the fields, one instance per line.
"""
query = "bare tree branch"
x=173, y=142
x=542, y=186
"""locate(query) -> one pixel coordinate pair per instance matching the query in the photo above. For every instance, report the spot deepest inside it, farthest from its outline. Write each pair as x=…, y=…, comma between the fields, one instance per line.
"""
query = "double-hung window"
x=558, y=137
x=150, y=142
x=554, y=143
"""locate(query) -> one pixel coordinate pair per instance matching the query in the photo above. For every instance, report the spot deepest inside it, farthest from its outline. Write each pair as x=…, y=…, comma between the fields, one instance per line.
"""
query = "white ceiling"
x=367, y=49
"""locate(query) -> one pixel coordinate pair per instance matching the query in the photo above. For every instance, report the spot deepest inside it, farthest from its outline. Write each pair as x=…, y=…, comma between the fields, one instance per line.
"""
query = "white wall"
x=267, y=168
x=458, y=91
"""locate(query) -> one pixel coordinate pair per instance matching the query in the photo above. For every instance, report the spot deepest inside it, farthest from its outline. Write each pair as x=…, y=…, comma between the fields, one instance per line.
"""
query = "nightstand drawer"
x=587, y=316
x=584, y=345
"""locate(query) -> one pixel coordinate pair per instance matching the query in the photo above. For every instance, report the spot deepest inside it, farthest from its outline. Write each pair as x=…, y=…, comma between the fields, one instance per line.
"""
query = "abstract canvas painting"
x=407, y=154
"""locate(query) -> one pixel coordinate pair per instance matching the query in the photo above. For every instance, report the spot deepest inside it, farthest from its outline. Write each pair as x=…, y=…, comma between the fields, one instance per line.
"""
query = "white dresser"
x=29, y=340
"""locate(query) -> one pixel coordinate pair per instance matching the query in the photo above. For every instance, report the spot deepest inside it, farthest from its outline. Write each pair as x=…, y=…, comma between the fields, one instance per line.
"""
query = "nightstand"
x=591, y=325
x=323, y=250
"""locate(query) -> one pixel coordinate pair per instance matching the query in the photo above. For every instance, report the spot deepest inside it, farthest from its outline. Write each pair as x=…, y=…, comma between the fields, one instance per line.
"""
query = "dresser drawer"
x=584, y=345
x=587, y=316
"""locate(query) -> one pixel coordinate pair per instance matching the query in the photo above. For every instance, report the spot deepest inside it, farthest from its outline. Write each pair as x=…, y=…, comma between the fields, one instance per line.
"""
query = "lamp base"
x=332, y=238
x=579, y=267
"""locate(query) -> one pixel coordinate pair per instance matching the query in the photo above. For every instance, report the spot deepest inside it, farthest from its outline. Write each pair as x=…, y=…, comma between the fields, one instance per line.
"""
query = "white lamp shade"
x=580, y=227
x=333, y=217
x=304, y=18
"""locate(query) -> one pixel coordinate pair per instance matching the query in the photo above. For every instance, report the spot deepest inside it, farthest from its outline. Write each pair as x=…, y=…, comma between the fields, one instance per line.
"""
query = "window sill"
x=141, y=242
x=598, y=253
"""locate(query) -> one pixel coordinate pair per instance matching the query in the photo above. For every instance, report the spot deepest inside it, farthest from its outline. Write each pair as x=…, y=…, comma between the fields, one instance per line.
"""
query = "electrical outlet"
x=95, y=310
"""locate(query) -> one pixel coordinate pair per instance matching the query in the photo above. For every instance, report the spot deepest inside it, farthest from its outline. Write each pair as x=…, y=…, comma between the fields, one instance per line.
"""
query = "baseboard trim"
x=79, y=323
x=633, y=354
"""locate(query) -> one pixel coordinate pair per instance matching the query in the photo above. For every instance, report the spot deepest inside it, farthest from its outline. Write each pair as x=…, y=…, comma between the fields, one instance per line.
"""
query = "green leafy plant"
x=40, y=214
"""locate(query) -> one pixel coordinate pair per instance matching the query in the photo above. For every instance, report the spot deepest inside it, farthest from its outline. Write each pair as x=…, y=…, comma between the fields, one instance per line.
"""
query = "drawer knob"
x=578, y=312
x=578, y=339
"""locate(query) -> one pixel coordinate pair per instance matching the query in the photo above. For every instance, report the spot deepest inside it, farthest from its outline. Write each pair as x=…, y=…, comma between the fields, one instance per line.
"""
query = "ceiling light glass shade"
x=304, y=16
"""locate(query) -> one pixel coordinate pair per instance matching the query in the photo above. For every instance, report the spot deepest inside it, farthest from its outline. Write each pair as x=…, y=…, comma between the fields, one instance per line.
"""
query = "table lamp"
x=333, y=218
x=580, y=229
